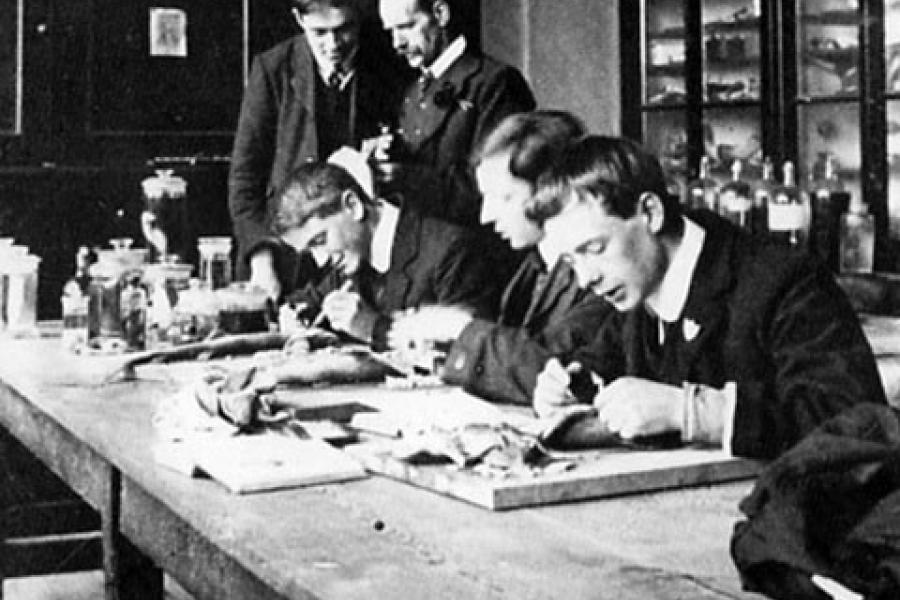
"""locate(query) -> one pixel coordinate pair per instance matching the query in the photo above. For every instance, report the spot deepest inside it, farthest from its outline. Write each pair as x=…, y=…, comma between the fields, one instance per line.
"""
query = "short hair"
x=313, y=190
x=615, y=169
x=304, y=7
x=454, y=26
x=534, y=141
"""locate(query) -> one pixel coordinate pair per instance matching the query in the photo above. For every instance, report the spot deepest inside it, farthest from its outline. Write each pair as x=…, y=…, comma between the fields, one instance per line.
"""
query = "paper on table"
x=249, y=463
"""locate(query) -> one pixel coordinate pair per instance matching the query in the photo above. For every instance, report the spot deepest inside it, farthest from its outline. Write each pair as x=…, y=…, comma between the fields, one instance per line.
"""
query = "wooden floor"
x=87, y=585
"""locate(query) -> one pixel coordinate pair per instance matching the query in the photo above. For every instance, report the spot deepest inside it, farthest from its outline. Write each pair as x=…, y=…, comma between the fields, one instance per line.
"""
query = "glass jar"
x=243, y=308
x=195, y=316
x=215, y=261
x=109, y=275
x=165, y=222
x=21, y=293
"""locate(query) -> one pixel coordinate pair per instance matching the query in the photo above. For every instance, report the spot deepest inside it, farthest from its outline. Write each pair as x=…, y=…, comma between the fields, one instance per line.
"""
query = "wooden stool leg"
x=128, y=574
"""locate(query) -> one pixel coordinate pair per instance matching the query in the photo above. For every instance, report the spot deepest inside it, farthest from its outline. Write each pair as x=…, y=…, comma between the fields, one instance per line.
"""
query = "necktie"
x=334, y=80
x=425, y=80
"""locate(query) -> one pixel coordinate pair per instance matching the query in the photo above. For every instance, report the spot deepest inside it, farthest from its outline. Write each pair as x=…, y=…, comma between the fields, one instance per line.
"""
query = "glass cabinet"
x=816, y=82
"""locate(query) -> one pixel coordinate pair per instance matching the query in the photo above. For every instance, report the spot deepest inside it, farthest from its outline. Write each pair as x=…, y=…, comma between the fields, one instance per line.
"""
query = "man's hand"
x=347, y=312
x=632, y=406
x=262, y=273
x=430, y=323
x=551, y=393
x=379, y=147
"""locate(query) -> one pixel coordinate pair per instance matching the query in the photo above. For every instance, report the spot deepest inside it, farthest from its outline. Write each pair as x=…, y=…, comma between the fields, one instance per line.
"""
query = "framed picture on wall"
x=166, y=67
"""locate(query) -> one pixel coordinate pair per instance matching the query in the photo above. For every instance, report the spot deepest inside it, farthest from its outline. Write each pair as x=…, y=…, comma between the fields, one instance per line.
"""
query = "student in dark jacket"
x=305, y=98
x=543, y=311
x=721, y=336
x=358, y=259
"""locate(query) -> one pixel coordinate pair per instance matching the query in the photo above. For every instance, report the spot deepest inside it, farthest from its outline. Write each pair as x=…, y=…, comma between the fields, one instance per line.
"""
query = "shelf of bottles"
x=892, y=92
x=728, y=86
x=828, y=102
x=664, y=94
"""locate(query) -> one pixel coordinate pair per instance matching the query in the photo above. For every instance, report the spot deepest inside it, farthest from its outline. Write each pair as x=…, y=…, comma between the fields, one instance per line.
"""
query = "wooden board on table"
x=600, y=473
x=254, y=463
x=597, y=474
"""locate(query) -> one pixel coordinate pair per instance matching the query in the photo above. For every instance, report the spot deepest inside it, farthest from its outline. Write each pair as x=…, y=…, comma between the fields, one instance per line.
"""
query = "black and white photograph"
x=457, y=299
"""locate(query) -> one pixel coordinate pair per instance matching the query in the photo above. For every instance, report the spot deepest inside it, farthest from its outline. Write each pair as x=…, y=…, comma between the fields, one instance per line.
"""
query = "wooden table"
x=371, y=538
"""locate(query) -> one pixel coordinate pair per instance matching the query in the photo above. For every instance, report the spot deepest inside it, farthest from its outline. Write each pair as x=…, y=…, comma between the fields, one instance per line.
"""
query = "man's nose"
x=585, y=278
x=330, y=40
x=488, y=211
x=398, y=40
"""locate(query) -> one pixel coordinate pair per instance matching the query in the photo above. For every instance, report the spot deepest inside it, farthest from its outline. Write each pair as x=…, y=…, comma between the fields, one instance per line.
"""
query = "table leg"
x=128, y=574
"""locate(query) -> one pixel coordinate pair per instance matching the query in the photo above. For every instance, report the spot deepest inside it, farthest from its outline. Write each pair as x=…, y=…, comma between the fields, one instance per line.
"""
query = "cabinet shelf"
x=737, y=103
x=674, y=69
x=778, y=76
x=832, y=17
x=733, y=63
x=751, y=24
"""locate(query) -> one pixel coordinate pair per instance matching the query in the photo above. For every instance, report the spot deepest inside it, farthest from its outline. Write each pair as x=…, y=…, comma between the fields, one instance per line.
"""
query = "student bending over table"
x=699, y=304
x=358, y=259
x=543, y=312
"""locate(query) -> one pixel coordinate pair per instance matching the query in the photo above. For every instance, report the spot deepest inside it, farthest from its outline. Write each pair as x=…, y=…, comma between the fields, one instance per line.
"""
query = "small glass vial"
x=857, y=245
x=74, y=303
x=788, y=210
x=735, y=198
x=762, y=197
x=133, y=313
x=215, y=261
x=703, y=192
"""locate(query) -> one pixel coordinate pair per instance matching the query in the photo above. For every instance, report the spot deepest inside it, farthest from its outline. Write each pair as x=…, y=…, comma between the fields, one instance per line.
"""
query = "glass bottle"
x=75, y=303
x=735, y=198
x=857, y=244
x=215, y=261
x=133, y=313
x=788, y=210
x=762, y=196
x=703, y=192
x=828, y=202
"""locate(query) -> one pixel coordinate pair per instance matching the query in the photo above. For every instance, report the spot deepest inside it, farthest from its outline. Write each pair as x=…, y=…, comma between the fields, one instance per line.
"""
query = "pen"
x=320, y=318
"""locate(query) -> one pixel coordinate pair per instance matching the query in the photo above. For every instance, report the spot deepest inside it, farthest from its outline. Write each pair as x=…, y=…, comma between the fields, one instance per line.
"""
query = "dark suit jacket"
x=443, y=127
x=768, y=318
x=432, y=262
x=276, y=131
x=542, y=314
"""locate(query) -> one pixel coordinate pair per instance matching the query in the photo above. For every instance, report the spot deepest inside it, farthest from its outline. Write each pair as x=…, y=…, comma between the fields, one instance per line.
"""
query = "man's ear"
x=297, y=17
x=650, y=206
x=352, y=203
x=441, y=11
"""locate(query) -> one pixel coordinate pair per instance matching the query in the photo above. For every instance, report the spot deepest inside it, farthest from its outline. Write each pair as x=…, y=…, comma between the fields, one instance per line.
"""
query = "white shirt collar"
x=383, y=236
x=346, y=73
x=449, y=56
x=668, y=301
x=549, y=254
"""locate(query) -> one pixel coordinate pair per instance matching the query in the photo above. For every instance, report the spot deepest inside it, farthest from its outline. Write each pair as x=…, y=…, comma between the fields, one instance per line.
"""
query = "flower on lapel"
x=445, y=95
x=690, y=328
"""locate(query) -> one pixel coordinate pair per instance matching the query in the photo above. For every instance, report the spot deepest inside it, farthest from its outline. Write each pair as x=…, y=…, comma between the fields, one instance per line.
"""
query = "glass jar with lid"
x=215, y=261
x=243, y=308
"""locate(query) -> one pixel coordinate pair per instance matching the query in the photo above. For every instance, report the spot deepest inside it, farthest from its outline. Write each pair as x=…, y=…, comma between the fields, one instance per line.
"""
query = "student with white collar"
x=370, y=258
x=726, y=338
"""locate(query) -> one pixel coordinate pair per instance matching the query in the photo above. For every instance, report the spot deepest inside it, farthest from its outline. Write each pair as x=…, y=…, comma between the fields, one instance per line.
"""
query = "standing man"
x=721, y=336
x=305, y=97
x=459, y=97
